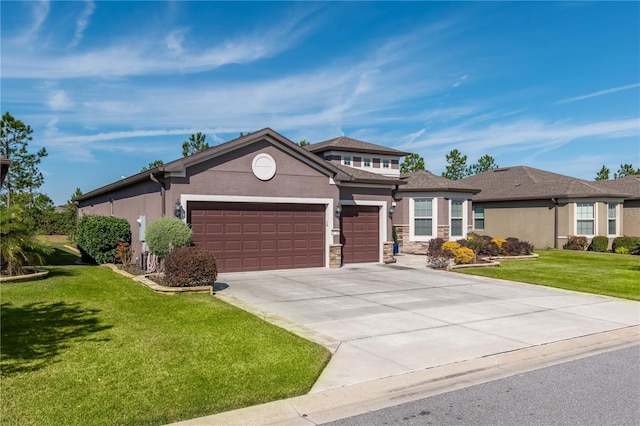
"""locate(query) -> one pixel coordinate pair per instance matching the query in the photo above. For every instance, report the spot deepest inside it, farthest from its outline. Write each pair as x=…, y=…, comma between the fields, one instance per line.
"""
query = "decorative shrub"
x=99, y=236
x=576, y=243
x=599, y=244
x=476, y=243
x=636, y=248
x=435, y=246
x=626, y=242
x=166, y=234
x=490, y=249
x=515, y=247
x=624, y=250
x=123, y=254
x=439, y=259
x=451, y=246
x=463, y=256
x=190, y=266
x=498, y=242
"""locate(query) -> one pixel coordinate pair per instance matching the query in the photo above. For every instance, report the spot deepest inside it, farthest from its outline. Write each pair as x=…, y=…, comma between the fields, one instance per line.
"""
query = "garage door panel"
x=247, y=237
x=360, y=234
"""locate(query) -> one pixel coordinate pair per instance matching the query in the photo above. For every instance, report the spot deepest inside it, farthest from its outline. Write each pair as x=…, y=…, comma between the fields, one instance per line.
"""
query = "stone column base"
x=335, y=255
x=387, y=252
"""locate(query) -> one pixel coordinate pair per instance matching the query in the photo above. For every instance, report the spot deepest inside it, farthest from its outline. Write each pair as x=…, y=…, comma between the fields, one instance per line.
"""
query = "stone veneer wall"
x=407, y=246
x=335, y=255
x=387, y=252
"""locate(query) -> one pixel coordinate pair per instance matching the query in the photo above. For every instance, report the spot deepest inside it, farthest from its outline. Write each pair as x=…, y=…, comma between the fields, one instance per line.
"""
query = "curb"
x=335, y=404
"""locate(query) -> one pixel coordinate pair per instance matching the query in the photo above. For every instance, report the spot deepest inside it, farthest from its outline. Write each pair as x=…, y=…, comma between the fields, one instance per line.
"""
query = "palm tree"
x=19, y=247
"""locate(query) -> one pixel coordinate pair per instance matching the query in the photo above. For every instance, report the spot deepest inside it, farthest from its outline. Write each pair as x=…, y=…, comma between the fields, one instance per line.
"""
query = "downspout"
x=162, y=193
x=555, y=222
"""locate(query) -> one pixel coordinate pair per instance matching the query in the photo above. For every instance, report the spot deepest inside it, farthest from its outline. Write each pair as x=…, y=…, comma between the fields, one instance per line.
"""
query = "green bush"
x=636, y=248
x=166, y=234
x=190, y=266
x=626, y=242
x=599, y=244
x=623, y=250
x=576, y=243
x=98, y=237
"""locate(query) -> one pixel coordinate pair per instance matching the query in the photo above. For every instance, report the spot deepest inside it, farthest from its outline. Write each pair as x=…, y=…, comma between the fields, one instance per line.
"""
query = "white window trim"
x=484, y=217
x=595, y=219
x=464, y=219
x=617, y=219
x=434, y=220
x=382, y=162
x=343, y=159
x=370, y=162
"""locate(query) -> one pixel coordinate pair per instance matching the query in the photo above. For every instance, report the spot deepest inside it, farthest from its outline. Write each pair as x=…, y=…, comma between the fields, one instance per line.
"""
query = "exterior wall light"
x=392, y=209
x=177, y=210
x=338, y=210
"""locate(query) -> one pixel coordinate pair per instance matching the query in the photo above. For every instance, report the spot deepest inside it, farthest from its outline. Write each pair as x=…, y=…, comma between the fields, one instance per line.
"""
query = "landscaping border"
x=142, y=279
x=493, y=261
x=38, y=275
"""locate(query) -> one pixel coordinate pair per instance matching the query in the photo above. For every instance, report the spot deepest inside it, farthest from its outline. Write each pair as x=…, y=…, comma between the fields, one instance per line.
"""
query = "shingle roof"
x=425, y=181
x=527, y=183
x=628, y=184
x=344, y=143
x=363, y=176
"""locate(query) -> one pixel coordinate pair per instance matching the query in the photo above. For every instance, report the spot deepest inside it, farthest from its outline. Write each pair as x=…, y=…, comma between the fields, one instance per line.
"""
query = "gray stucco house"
x=262, y=202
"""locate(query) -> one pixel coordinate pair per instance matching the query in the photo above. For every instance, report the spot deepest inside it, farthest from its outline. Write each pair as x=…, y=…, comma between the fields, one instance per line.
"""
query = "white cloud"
x=59, y=101
x=137, y=56
x=599, y=93
x=82, y=22
x=40, y=11
x=460, y=80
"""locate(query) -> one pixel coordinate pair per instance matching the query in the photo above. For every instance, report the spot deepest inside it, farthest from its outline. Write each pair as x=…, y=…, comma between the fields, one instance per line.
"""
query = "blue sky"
x=110, y=86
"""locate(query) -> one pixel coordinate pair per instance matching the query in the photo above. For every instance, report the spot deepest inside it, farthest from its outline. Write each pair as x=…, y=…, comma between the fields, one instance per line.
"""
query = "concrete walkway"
x=406, y=326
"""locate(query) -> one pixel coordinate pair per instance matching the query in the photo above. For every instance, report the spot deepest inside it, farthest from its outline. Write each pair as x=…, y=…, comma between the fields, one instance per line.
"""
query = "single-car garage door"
x=256, y=237
x=360, y=236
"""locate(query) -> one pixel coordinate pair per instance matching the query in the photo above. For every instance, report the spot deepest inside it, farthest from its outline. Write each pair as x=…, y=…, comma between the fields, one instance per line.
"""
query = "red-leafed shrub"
x=515, y=247
x=190, y=266
x=576, y=243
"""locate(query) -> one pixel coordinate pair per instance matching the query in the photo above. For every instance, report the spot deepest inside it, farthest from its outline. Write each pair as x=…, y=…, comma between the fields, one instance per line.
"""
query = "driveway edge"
x=334, y=404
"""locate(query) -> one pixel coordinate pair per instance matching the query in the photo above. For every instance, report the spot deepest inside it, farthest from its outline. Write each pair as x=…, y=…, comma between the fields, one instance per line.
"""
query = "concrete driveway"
x=385, y=320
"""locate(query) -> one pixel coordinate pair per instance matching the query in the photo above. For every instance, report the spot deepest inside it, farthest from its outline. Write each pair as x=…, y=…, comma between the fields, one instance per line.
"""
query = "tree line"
x=457, y=167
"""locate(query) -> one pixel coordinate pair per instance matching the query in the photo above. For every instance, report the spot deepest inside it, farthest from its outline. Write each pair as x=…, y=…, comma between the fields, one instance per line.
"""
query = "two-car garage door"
x=257, y=236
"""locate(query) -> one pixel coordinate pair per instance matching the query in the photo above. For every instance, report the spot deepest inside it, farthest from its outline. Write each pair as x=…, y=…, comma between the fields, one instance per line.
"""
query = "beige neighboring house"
x=545, y=208
x=429, y=207
x=631, y=207
x=262, y=202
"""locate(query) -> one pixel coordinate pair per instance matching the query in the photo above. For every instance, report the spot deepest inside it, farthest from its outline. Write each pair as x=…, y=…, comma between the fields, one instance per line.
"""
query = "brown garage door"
x=256, y=237
x=360, y=235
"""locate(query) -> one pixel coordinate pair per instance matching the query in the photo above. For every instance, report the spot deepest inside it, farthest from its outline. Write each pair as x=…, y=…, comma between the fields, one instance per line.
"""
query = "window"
x=385, y=163
x=346, y=160
x=478, y=217
x=366, y=162
x=457, y=216
x=423, y=217
x=612, y=218
x=585, y=219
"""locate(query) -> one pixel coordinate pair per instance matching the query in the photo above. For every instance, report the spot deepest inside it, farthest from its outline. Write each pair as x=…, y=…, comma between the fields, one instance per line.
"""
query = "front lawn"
x=88, y=346
x=610, y=274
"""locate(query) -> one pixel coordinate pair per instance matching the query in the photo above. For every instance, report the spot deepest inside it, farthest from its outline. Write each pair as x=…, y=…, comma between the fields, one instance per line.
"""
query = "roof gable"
x=628, y=184
x=343, y=143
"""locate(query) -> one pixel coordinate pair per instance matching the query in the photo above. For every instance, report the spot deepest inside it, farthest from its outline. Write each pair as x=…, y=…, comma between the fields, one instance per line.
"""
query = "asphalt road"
x=599, y=390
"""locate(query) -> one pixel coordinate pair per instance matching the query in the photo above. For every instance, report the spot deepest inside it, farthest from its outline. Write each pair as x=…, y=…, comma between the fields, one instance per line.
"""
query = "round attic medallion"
x=263, y=166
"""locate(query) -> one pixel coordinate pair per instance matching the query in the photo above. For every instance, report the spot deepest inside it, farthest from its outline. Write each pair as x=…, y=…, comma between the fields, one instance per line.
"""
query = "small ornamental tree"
x=98, y=237
x=166, y=234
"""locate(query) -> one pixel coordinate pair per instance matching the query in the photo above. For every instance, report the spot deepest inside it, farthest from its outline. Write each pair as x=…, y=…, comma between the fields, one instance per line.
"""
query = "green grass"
x=609, y=274
x=88, y=346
